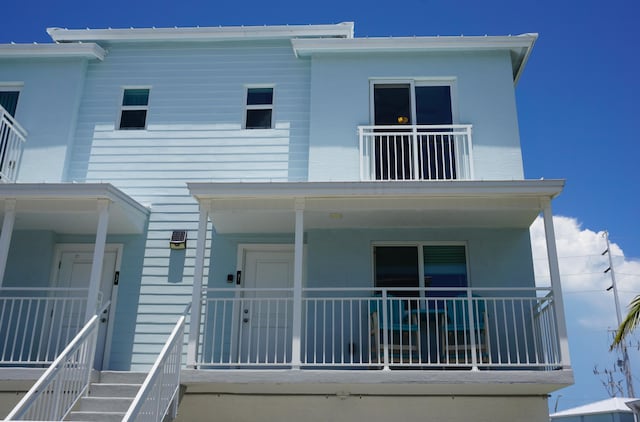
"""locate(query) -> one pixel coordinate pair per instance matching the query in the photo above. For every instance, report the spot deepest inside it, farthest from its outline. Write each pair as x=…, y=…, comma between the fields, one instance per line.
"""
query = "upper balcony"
x=416, y=152
x=12, y=139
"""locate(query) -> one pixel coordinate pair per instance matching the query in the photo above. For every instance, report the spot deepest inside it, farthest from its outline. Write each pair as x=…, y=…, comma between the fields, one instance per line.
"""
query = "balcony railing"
x=12, y=139
x=432, y=328
x=36, y=324
x=416, y=152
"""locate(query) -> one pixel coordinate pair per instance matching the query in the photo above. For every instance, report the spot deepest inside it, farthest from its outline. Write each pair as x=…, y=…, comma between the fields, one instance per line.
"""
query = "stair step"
x=105, y=404
x=121, y=377
x=114, y=390
x=96, y=416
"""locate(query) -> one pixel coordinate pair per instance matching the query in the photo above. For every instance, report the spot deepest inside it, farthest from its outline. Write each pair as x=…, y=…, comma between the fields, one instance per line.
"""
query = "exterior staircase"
x=109, y=398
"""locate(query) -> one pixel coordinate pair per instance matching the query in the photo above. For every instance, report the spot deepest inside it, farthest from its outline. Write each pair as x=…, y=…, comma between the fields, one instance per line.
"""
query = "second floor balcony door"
x=424, y=153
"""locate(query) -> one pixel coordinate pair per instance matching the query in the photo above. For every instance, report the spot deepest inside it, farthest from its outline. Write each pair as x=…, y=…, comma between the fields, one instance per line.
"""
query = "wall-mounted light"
x=178, y=240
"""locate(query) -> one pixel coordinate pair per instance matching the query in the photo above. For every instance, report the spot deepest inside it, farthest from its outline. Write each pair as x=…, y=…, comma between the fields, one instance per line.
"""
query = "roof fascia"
x=77, y=50
x=536, y=188
x=519, y=45
x=81, y=191
x=222, y=33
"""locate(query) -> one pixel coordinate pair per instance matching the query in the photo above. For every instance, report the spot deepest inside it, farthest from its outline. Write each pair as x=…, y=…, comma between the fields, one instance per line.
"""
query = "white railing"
x=67, y=380
x=159, y=393
x=381, y=328
x=261, y=320
x=37, y=323
x=12, y=139
x=416, y=152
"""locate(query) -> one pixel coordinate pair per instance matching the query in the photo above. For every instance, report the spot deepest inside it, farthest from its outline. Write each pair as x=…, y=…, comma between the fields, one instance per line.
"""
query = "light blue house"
x=347, y=217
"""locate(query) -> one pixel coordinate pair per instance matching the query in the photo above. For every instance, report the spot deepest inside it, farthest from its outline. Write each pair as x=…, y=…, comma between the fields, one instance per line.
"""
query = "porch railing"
x=55, y=394
x=12, y=139
x=159, y=392
x=36, y=323
x=416, y=152
x=431, y=328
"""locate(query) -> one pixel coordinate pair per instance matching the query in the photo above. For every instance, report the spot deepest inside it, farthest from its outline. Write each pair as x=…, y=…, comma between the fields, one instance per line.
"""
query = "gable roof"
x=612, y=405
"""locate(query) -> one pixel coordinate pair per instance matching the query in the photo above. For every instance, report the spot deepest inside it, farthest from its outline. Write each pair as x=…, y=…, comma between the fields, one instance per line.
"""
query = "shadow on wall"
x=176, y=265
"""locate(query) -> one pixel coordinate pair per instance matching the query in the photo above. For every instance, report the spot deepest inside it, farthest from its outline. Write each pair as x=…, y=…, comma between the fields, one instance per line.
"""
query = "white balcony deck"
x=12, y=139
x=421, y=329
x=416, y=152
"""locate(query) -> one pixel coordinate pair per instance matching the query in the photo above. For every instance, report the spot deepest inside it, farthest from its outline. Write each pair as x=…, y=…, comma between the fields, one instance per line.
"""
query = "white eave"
x=72, y=207
x=519, y=46
x=526, y=188
x=222, y=33
x=78, y=50
x=268, y=207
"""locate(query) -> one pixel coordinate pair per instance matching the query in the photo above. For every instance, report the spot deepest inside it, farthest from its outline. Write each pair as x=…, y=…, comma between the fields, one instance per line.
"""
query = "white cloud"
x=589, y=307
x=582, y=268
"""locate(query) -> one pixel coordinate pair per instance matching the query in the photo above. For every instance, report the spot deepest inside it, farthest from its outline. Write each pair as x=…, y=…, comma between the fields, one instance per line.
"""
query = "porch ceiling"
x=269, y=207
x=72, y=207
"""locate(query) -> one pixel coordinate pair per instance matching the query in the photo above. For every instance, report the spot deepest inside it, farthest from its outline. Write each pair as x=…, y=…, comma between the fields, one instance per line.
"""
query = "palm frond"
x=629, y=324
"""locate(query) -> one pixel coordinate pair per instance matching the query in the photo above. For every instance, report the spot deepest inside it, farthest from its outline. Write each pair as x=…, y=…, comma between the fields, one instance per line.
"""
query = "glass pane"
x=433, y=105
x=445, y=266
x=9, y=100
x=258, y=119
x=397, y=266
x=392, y=104
x=135, y=97
x=133, y=119
x=259, y=96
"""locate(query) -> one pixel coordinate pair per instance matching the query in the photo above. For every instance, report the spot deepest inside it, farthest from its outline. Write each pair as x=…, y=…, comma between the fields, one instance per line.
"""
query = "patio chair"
x=457, y=330
x=403, y=334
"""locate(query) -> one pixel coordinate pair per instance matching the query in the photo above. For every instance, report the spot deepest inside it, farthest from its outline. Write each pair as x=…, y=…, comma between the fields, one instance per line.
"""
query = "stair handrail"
x=159, y=391
x=65, y=382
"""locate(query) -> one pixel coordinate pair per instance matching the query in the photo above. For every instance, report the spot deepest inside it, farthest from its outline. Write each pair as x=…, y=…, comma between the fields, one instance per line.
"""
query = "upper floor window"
x=135, y=104
x=412, y=103
x=259, y=112
x=9, y=99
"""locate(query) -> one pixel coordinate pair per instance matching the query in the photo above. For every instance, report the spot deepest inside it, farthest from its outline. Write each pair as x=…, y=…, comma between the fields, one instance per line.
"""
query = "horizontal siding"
x=193, y=134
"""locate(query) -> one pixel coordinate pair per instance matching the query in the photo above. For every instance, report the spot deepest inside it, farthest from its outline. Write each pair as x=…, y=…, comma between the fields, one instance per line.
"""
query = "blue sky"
x=577, y=104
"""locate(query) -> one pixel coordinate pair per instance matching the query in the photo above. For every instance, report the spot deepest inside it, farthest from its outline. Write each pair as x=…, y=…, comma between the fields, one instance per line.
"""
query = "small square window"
x=259, y=112
x=135, y=104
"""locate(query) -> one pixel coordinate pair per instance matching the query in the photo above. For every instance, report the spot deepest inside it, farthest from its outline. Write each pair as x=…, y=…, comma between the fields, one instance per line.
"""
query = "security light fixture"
x=178, y=240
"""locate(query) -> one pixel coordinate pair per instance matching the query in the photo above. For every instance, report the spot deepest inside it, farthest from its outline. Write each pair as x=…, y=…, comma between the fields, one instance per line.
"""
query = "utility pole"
x=625, y=355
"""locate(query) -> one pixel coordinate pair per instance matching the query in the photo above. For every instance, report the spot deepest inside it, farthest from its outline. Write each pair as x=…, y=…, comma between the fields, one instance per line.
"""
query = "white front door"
x=266, y=306
x=74, y=271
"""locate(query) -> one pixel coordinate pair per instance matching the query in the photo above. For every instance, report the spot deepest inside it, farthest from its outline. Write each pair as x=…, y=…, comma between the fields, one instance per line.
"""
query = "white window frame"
x=248, y=107
x=123, y=108
x=419, y=245
x=451, y=82
x=12, y=87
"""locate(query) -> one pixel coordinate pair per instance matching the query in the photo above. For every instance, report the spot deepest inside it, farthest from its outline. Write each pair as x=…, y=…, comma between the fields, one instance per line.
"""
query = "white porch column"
x=297, y=285
x=554, y=272
x=196, y=295
x=98, y=258
x=5, y=236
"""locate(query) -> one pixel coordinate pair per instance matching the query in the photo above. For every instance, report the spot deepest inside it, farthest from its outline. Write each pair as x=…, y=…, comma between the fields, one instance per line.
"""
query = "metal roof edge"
x=519, y=45
x=79, y=50
x=221, y=33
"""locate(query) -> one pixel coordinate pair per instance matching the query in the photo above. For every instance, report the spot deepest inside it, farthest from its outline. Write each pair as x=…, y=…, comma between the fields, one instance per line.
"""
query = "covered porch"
x=57, y=268
x=311, y=301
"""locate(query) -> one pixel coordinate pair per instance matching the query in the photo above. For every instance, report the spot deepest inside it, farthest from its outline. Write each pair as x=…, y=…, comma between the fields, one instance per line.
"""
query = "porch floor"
x=375, y=382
